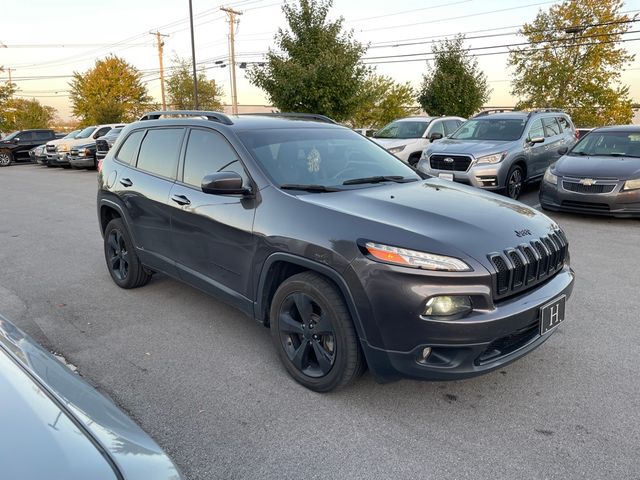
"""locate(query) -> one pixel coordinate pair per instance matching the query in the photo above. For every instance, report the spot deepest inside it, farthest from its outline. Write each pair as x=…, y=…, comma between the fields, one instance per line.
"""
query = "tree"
x=382, y=100
x=574, y=62
x=319, y=69
x=180, y=88
x=22, y=114
x=110, y=92
x=454, y=85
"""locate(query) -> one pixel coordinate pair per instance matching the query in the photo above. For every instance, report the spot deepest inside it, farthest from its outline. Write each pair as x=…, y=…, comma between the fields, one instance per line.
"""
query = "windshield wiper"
x=379, y=179
x=621, y=155
x=582, y=154
x=308, y=187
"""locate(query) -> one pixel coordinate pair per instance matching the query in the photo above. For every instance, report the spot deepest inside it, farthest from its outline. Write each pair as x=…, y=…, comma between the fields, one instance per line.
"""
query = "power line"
x=448, y=4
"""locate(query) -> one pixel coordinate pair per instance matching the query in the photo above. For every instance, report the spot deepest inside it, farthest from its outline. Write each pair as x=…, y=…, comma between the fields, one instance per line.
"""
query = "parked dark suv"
x=16, y=145
x=352, y=257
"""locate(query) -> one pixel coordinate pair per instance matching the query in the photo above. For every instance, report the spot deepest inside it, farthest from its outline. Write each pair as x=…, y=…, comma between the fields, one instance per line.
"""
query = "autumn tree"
x=382, y=100
x=574, y=61
x=110, y=92
x=453, y=84
x=316, y=66
x=22, y=114
x=179, y=88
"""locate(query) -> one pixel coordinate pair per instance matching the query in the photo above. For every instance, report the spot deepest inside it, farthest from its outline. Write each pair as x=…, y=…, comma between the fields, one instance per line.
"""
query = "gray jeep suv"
x=501, y=151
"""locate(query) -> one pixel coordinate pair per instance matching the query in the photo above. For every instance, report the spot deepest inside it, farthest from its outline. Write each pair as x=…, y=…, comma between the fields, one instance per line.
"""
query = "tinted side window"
x=437, y=127
x=129, y=150
x=209, y=152
x=101, y=132
x=42, y=135
x=564, y=124
x=25, y=136
x=451, y=126
x=160, y=150
x=536, y=131
x=551, y=127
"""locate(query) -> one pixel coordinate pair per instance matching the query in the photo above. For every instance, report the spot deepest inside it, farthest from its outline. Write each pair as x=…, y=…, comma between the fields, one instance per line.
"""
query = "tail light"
x=577, y=132
x=99, y=167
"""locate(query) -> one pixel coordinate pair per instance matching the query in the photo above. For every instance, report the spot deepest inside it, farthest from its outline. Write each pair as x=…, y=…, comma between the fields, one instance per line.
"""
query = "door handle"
x=125, y=182
x=181, y=200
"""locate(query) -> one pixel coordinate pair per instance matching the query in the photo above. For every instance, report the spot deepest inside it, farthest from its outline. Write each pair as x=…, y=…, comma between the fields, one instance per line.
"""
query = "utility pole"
x=193, y=59
x=232, y=56
x=160, y=47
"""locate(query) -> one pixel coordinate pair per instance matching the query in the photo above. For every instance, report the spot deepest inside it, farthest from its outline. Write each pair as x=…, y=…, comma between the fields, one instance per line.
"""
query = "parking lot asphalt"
x=205, y=382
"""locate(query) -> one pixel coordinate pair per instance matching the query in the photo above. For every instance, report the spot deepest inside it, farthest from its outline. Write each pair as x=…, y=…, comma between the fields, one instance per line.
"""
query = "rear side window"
x=209, y=152
x=42, y=135
x=551, y=127
x=564, y=124
x=129, y=149
x=160, y=150
x=536, y=130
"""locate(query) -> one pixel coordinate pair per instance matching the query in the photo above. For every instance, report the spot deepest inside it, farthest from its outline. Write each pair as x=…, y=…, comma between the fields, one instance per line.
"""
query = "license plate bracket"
x=552, y=314
x=446, y=176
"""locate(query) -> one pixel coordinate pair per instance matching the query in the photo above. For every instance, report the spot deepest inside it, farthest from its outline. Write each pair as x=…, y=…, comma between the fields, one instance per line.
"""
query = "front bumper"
x=486, y=176
x=618, y=203
x=82, y=162
x=397, y=334
x=60, y=159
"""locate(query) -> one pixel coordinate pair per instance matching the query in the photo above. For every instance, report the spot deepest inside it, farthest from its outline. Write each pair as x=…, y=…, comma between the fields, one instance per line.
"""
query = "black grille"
x=509, y=343
x=586, y=205
x=529, y=264
x=51, y=148
x=74, y=152
x=102, y=146
x=593, y=189
x=457, y=163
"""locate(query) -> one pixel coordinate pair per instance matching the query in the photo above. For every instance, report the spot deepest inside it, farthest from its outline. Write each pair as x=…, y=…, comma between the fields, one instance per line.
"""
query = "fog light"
x=447, y=305
x=426, y=351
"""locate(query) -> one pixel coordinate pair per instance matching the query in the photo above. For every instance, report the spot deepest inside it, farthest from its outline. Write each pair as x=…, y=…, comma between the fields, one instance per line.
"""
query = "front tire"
x=122, y=261
x=515, y=182
x=313, y=333
x=6, y=158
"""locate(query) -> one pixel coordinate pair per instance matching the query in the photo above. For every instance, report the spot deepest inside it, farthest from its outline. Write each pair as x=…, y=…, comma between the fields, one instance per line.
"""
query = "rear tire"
x=123, y=263
x=6, y=158
x=313, y=333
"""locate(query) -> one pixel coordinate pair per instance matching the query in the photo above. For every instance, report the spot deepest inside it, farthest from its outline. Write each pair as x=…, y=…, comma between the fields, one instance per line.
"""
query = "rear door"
x=213, y=233
x=148, y=163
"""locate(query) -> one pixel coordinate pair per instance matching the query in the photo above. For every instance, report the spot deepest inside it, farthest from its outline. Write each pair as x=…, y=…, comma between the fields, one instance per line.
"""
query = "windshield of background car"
x=403, y=130
x=86, y=133
x=321, y=156
x=609, y=143
x=11, y=136
x=72, y=134
x=114, y=132
x=497, y=129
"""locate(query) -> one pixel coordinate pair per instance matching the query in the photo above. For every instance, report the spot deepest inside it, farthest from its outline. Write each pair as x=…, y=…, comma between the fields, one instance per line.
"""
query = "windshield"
x=323, y=157
x=86, y=133
x=403, y=130
x=114, y=132
x=609, y=143
x=11, y=135
x=72, y=134
x=497, y=129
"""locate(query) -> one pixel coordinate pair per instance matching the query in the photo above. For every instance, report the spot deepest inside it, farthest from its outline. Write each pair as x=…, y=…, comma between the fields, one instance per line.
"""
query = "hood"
x=622, y=168
x=476, y=148
x=395, y=142
x=453, y=217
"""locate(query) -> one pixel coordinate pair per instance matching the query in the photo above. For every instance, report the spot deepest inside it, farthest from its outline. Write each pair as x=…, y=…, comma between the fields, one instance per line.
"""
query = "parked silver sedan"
x=600, y=174
x=56, y=426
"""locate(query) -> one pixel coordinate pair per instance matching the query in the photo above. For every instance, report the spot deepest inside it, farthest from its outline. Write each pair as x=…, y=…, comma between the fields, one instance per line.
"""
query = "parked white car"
x=407, y=137
x=58, y=152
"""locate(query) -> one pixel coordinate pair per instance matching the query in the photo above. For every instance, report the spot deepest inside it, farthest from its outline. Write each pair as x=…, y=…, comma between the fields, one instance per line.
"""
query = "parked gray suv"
x=501, y=151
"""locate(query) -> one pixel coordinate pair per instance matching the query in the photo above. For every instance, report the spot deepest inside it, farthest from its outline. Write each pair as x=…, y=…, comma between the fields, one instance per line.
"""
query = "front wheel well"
x=522, y=164
x=106, y=215
x=278, y=272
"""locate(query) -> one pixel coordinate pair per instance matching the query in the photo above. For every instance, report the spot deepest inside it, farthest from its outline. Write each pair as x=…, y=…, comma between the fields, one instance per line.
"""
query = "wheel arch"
x=521, y=162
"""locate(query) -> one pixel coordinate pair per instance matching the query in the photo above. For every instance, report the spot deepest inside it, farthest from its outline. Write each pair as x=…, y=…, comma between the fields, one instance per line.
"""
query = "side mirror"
x=16, y=140
x=535, y=140
x=224, y=183
x=563, y=150
x=435, y=136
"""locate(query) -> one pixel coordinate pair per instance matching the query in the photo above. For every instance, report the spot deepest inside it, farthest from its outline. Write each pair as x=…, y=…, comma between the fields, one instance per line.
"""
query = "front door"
x=537, y=152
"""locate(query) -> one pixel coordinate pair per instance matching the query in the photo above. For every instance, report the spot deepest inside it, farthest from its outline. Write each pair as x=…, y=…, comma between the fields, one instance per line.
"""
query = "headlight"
x=550, y=177
x=632, y=184
x=62, y=148
x=445, y=306
x=396, y=149
x=493, y=158
x=412, y=258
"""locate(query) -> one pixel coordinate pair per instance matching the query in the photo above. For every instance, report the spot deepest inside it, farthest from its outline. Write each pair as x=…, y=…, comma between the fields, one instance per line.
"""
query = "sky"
x=52, y=40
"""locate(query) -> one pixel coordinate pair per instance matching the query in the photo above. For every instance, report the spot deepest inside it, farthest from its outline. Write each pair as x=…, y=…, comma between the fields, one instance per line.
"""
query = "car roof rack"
x=213, y=116
x=546, y=110
x=490, y=111
x=302, y=116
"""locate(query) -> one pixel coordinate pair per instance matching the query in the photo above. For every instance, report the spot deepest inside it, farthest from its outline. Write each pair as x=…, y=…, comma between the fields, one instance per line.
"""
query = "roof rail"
x=213, y=116
x=494, y=110
x=302, y=116
x=546, y=110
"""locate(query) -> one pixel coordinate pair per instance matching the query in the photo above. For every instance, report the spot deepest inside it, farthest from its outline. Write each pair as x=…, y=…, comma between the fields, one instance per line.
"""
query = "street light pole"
x=193, y=60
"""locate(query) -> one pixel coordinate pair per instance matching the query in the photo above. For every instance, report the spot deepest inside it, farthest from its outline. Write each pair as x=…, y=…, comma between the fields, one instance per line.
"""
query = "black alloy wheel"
x=515, y=182
x=313, y=333
x=123, y=263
